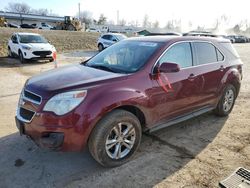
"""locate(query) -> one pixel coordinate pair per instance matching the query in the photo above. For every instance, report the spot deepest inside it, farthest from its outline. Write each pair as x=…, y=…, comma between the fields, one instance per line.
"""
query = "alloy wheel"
x=228, y=100
x=120, y=140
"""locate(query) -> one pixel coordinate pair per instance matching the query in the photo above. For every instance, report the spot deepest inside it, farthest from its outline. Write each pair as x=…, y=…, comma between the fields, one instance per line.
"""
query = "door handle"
x=191, y=77
x=221, y=68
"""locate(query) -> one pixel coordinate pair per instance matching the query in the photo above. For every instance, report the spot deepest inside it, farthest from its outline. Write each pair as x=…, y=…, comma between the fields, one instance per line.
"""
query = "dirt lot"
x=196, y=153
x=62, y=40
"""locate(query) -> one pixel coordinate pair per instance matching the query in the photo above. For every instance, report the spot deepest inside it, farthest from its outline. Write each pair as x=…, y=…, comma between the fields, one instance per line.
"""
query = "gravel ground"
x=63, y=40
x=196, y=153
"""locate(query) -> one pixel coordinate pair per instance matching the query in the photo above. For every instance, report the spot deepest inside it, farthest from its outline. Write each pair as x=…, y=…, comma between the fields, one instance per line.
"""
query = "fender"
x=99, y=105
x=232, y=76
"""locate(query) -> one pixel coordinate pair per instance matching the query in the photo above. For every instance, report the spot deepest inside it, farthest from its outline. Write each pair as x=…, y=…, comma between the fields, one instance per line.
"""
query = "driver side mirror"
x=115, y=40
x=167, y=67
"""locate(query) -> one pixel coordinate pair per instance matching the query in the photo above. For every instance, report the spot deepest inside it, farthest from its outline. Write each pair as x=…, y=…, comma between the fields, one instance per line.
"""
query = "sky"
x=199, y=12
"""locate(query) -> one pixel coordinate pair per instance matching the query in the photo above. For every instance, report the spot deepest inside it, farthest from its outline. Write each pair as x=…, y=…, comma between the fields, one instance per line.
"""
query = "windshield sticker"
x=148, y=44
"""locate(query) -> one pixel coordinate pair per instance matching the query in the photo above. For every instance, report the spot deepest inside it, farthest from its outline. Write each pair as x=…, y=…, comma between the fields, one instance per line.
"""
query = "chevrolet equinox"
x=136, y=85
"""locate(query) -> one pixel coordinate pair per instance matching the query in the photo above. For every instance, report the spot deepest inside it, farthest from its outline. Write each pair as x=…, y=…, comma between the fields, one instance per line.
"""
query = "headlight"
x=26, y=47
x=63, y=103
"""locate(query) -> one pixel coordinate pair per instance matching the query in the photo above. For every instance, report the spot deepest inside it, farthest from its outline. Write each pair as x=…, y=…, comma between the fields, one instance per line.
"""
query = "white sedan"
x=30, y=46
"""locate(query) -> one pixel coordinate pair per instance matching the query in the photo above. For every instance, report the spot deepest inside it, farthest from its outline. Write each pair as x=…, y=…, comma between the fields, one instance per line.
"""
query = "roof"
x=27, y=34
x=177, y=38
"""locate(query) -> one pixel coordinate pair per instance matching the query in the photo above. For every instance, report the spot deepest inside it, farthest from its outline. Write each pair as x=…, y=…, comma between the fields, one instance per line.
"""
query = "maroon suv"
x=136, y=85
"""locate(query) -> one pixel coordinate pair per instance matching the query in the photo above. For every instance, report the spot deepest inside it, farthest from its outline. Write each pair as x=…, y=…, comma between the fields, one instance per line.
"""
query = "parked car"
x=109, y=39
x=30, y=46
x=136, y=85
x=27, y=26
x=43, y=26
x=13, y=25
x=93, y=30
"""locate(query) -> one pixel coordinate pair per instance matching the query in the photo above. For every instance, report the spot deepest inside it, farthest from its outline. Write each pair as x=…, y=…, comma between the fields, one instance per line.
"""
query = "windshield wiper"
x=102, y=67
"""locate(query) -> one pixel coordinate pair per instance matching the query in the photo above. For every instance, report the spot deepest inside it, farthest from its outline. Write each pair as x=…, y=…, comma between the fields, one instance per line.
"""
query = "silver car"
x=108, y=39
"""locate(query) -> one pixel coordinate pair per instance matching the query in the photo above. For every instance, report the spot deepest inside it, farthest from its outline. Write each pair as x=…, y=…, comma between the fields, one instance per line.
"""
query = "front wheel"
x=10, y=54
x=100, y=47
x=115, y=138
x=226, y=102
x=22, y=60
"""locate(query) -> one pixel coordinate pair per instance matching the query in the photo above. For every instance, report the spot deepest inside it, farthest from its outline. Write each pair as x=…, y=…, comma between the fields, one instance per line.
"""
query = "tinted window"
x=206, y=52
x=180, y=54
x=107, y=37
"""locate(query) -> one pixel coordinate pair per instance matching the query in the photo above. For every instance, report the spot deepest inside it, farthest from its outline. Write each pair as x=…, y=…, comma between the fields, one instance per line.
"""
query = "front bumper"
x=65, y=133
x=28, y=54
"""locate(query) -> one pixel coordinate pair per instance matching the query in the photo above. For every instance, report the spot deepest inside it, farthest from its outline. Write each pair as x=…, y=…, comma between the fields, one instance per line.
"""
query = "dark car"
x=136, y=85
x=27, y=26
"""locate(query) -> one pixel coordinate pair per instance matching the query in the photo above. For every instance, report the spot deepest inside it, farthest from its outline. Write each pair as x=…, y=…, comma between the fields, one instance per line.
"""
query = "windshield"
x=120, y=37
x=124, y=57
x=32, y=39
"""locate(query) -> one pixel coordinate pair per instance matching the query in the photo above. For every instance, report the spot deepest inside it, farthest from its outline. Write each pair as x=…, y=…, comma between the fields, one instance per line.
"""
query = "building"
x=18, y=18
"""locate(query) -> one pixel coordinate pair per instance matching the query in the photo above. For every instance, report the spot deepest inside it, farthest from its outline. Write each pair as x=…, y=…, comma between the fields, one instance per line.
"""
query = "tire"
x=100, y=47
x=71, y=28
x=10, y=54
x=21, y=58
x=109, y=149
x=51, y=60
x=226, y=103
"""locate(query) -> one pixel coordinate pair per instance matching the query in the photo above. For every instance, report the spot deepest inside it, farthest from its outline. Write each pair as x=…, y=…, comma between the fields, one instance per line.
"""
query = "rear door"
x=14, y=44
x=175, y=94
x=107, y=40
x=210, y=65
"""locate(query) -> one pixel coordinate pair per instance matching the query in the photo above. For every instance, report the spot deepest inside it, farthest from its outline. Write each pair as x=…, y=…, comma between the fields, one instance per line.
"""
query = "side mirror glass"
x=114, y=40
x=167, y=67
x=14, y=41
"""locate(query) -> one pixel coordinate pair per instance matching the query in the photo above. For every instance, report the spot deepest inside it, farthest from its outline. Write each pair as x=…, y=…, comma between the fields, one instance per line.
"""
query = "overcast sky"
x=199, y=12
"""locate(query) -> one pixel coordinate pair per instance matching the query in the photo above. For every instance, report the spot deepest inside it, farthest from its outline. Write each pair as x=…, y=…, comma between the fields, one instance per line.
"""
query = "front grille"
x=26, y=114
x=32, y=97
x=42, y=53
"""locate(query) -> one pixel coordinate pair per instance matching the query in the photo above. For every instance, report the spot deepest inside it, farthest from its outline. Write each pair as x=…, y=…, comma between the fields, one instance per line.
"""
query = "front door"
x=174, y=94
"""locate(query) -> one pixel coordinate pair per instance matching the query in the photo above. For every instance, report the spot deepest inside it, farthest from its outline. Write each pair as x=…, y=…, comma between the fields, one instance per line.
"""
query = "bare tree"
x=86, y=17
x=41, y=11
x=156, y=24
x=18, y=8
x=145, y=22
x=123, y=22
x=102, y=20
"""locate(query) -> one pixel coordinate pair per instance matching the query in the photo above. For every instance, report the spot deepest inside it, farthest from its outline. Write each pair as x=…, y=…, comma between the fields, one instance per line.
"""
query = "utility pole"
x=79, y=9
x=117, y=17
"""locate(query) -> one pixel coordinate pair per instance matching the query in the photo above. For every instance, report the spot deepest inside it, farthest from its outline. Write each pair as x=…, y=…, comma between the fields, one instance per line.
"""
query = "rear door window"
x=205, y=53
x=179, y=53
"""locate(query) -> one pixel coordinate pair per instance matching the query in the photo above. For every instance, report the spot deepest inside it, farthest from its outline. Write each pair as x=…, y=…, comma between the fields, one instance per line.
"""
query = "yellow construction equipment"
x=71, y=24
x=3, y=22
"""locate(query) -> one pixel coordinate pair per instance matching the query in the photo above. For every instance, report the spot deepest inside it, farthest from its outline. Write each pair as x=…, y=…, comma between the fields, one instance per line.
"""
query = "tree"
x=145, y=22
x=156, y=24
x=123, y=22
x=86, y=17
x=41, y=11
x=18, y=8
x=102, y=20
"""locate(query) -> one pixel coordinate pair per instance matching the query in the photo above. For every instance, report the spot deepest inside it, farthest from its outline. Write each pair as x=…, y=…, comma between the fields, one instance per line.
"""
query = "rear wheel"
x=115, y=138
x=226, y=102
x=100, y=47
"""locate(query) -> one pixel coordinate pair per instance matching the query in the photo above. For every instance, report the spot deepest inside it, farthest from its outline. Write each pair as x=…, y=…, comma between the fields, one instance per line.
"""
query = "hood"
x=67, y=78
x=39, y=46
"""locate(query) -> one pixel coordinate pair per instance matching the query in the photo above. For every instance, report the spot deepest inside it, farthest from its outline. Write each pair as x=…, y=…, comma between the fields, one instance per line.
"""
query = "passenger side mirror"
x=167, y=67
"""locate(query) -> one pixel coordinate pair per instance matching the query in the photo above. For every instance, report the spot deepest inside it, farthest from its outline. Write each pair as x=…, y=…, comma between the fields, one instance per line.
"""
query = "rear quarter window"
x=229, y=47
